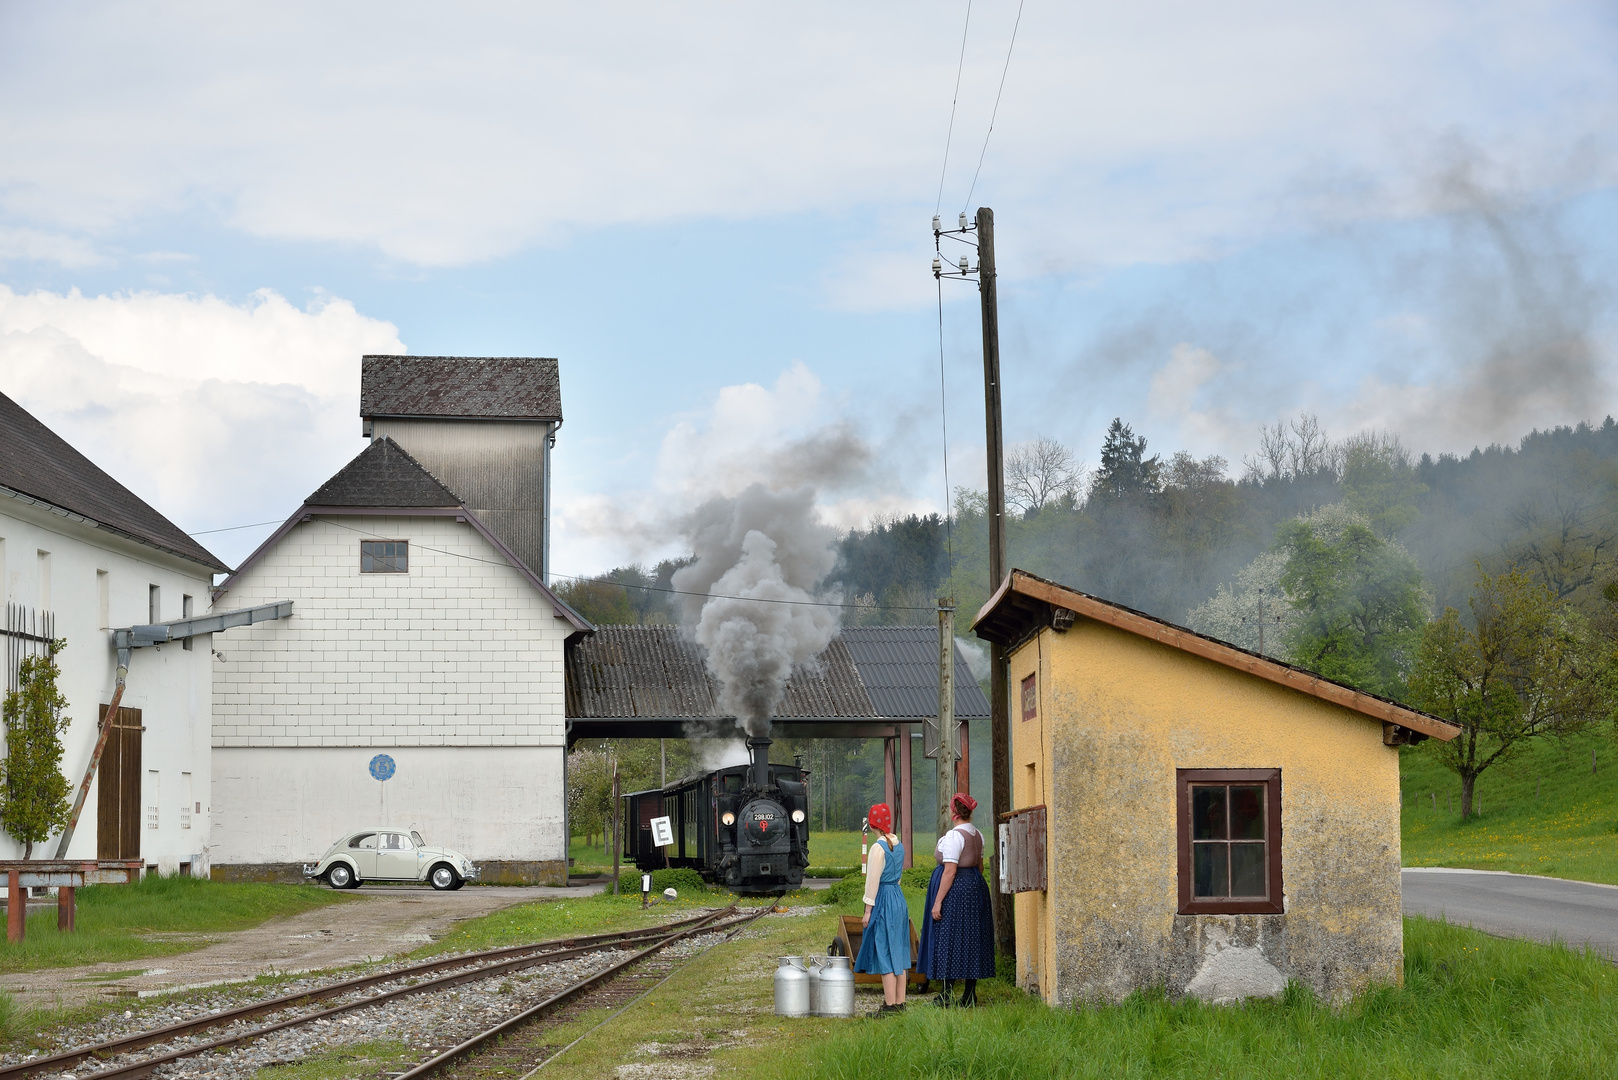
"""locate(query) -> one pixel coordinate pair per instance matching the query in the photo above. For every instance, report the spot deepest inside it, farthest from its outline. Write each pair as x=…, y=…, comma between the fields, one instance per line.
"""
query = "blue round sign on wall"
x=382, y=767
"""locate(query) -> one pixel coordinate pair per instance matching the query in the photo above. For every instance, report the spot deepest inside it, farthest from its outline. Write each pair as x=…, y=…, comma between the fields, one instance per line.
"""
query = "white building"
x=82, y=554
x=418, y=632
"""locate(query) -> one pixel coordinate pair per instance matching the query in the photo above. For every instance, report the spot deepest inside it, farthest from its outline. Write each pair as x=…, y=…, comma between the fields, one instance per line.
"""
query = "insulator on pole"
x=963, y=220
x=964, y=269
x=938, y=266
x=936, y=224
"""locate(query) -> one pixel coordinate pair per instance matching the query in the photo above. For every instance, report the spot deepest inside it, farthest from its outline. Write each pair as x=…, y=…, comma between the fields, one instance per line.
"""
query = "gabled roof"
x=37, y=463
x=472, y=387
x=1025, y=603
x=385, y=481
x=657, y=672
x=383, y=475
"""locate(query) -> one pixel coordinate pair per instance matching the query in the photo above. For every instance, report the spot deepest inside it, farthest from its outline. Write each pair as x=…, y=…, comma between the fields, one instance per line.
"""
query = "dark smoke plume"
x=758, y=547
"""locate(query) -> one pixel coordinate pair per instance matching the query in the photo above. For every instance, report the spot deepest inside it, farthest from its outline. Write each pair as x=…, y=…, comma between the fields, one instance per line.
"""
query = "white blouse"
x=951, y=844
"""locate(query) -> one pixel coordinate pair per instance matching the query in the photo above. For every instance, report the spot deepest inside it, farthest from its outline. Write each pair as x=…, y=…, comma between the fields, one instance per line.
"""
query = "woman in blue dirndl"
x=885, y=944
x=957, y=930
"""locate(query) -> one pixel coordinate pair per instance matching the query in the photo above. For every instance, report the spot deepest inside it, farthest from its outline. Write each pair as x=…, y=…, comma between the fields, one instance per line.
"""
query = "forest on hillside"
x=1481, y=587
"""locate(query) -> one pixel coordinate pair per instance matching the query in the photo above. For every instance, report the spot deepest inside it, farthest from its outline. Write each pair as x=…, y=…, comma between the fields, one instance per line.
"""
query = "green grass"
x=131, y=922
x=1570, y=830
x=1471, y=1006
x=548, y=919
x=376, y=1057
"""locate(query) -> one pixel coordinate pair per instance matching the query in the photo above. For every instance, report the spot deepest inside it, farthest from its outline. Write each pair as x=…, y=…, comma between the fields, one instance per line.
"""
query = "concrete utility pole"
x=999, y=700
x=946, y=710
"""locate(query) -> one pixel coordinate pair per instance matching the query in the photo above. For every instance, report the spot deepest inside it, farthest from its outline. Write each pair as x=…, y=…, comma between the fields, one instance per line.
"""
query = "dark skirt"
x=961, y=944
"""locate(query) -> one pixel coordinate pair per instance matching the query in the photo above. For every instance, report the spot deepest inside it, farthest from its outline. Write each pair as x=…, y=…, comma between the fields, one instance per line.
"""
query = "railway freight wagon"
x=745, y=827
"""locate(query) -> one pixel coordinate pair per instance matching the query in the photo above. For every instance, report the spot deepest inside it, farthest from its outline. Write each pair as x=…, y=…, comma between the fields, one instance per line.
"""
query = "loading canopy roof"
x=651, y=681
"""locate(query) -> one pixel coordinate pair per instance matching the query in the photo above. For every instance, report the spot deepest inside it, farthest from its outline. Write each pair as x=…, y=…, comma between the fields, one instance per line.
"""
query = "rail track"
x=520, y=1045
x=420, y=978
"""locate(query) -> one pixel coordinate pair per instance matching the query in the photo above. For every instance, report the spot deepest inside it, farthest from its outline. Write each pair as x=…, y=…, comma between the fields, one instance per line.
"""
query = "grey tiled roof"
x=383, y=475
x=899, y=665
x=646, y=672
x=37, y=462
x=486, y=387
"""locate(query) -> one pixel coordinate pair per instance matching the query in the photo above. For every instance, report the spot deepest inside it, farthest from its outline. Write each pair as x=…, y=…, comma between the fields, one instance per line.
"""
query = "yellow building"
x=1189, y=814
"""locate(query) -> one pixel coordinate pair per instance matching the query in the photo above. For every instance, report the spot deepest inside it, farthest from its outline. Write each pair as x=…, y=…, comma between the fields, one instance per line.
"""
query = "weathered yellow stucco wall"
x=1117, y=715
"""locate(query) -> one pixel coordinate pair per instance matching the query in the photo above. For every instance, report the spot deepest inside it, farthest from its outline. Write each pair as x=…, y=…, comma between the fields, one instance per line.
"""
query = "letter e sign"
x=662, y=832
x=1030, y=699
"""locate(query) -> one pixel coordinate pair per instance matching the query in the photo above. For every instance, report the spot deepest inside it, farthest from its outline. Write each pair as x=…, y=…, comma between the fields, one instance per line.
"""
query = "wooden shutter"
x=1025, y=850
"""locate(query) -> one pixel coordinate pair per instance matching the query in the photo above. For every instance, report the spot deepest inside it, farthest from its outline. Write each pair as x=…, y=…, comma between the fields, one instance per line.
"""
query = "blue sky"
x=1393, y=215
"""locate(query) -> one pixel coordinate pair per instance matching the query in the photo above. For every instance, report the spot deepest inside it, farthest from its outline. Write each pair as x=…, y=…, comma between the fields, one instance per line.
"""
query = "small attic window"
x=384, y=556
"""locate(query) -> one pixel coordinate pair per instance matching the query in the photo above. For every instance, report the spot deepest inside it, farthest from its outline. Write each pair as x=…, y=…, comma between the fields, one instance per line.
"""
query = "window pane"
x=1247, y=870
x=1207, y=813
x=1247, y=813
x=1209, y=871
x=366, y=842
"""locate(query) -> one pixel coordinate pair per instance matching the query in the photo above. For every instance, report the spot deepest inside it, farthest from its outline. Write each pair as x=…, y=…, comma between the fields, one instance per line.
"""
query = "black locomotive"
x=745, y=827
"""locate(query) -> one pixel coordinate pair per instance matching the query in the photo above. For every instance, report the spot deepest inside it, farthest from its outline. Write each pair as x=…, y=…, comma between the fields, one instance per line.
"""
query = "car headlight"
x=797, y=817
x=727, y=818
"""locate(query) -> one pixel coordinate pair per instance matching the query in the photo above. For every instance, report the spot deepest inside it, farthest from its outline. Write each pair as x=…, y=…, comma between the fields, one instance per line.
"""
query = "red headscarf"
x=963, y=804
x=881, y=817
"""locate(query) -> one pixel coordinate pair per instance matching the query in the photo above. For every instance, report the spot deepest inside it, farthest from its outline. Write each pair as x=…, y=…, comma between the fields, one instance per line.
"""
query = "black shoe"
x=942, y=1000
x=969, y=997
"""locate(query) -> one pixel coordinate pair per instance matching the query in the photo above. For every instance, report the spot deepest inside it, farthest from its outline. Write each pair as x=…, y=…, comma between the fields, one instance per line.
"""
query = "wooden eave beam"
x=1018, y=583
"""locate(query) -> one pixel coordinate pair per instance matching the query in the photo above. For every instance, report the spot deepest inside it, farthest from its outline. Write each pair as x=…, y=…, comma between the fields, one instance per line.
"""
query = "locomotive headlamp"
x=727, y=818
x=797, y=817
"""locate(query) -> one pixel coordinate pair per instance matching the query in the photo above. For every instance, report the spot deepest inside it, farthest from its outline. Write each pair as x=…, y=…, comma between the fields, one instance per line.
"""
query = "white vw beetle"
x=388, y=853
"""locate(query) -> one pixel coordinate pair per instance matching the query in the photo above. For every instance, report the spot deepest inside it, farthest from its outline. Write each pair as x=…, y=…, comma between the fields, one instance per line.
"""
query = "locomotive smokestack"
x=760, y=749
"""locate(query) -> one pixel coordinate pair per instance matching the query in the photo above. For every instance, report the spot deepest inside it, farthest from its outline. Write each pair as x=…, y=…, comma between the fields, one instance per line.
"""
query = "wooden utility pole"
x=999, y=700
x=616, y=831
x=946, y=711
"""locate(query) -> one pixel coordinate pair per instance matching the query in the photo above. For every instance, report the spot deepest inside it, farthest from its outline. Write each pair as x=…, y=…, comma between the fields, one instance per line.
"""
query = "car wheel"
x=459, y=881
x=340, y=877
x=443, y=878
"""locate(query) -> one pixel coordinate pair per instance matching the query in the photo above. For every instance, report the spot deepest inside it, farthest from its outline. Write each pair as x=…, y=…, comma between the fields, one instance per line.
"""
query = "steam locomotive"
x=745, y=827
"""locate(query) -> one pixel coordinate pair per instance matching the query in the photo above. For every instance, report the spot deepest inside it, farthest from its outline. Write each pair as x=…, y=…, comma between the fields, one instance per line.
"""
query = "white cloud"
x=218, y=414
x=781, y=436
x=36, y=245
x=1126, y=132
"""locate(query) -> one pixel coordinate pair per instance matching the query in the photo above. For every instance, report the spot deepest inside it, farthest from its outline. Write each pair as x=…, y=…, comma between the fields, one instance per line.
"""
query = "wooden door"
x=118, y=805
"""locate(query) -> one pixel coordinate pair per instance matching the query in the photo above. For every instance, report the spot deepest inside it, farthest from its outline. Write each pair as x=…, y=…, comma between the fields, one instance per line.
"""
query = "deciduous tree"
x=1523, y=669
x=33, y=791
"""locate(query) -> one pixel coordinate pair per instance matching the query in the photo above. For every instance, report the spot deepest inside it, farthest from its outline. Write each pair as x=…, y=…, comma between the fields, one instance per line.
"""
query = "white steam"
x=760, y=559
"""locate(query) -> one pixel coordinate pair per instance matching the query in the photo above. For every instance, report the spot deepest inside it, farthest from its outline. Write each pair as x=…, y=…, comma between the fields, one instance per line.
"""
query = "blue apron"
x=885, y=947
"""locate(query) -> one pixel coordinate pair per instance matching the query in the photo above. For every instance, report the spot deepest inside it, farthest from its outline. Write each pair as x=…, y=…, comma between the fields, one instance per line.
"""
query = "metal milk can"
x=814, y=984
x=791, y=987
x=836, y=996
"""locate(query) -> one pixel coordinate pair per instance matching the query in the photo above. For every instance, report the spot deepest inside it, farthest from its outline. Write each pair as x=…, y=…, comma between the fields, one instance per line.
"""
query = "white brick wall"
x=460, y=651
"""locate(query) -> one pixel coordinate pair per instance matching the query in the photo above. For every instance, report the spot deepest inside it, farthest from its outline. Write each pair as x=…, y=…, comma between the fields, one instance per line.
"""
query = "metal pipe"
x=95, y=755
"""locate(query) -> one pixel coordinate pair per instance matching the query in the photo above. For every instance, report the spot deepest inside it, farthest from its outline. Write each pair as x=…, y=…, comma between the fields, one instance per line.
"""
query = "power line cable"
x=232, y=528
x=960, y=64
x=996, y=111
x=626, y=585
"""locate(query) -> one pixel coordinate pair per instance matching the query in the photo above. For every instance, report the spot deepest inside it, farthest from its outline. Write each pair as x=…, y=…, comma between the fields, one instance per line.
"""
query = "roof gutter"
x=80, y=519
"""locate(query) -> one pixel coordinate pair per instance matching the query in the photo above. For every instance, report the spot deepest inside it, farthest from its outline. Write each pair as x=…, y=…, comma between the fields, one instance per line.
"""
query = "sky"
x=1401, y=216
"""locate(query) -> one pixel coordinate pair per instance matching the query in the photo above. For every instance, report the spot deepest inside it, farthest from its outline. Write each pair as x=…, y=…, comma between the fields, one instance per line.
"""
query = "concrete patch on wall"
x=1231, y=972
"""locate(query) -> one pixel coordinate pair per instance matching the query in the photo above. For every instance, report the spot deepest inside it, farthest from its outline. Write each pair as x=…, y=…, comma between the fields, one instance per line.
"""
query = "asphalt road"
x=1515, y=905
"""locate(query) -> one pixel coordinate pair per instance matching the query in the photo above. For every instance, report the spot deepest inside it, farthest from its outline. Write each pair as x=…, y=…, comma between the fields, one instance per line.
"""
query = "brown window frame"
x=1272, y=904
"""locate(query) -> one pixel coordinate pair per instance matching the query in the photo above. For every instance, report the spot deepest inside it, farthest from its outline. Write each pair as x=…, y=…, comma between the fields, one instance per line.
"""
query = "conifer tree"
x=33, y=791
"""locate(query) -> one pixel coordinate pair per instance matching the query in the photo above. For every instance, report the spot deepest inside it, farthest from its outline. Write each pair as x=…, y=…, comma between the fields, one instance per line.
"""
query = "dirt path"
x=372, y=924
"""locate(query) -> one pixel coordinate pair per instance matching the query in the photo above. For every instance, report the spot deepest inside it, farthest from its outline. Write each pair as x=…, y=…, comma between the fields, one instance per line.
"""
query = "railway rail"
x=463, y=968
x=495, y=1052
